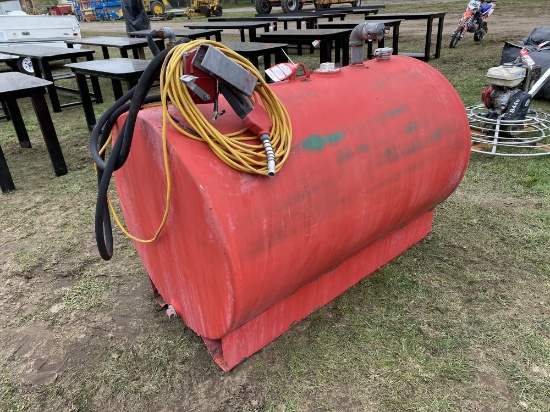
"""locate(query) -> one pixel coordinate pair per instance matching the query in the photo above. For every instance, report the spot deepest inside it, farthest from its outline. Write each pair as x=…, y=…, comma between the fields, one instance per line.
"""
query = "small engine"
x=507, y=92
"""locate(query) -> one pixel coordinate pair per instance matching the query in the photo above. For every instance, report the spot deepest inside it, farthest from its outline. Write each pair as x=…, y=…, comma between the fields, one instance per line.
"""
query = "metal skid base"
x=249, y=338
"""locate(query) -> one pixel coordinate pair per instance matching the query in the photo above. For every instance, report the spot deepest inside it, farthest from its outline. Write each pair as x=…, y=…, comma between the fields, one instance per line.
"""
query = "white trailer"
x=18, y=28
x=10, y=5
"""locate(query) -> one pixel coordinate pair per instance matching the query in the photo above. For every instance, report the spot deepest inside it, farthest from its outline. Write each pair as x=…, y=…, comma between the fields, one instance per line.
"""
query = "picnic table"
x=42, y=56
x=340, y=38
x=429, y=16
x=285, y=19
x=115, y=69
x=193, y=34
x=14, y=86
x=251, y=26
x=394, y=24
x=254, y=50
x=123, y=44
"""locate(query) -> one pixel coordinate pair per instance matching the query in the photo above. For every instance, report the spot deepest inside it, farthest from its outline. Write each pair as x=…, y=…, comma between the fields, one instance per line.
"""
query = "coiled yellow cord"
x=244, y=153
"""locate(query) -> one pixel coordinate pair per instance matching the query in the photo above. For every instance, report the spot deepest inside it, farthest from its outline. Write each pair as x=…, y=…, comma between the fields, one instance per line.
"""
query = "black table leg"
x=86, y=100
x=49, y=134
x=241, y=32
x=132, y=83
x=95, y=84
x=345, y=50
x=105, y=52
x=439, y=37
x=396, y=38
x=281, y=55
x=18, y=123
x=139, y=53
x=337, y=46
x=325, y=51
x=6, y=181
x=267, y=60
x=428, y=39
x=252, y=33
x=5, y=110
x=219, y=36
x=52, y=91
x=117, y=88
x=254, y=60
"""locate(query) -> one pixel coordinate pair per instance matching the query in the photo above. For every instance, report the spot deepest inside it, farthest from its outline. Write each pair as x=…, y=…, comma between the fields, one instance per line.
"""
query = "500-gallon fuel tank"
x=242, y=257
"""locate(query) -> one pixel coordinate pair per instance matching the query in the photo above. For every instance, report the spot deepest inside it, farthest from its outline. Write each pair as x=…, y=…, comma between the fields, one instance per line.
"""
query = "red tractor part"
x=293, y=6
x=60, y=10
x=244, y=257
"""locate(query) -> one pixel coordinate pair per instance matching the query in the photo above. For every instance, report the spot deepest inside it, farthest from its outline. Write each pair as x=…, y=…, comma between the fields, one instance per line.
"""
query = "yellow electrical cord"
x=243, y=153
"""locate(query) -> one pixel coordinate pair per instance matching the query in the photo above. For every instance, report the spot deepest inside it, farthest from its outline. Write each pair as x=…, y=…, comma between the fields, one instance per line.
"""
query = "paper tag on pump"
x=281, y=71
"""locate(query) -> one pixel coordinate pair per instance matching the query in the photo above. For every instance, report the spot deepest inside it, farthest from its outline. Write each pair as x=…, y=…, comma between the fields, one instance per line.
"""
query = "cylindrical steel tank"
x=242, y=257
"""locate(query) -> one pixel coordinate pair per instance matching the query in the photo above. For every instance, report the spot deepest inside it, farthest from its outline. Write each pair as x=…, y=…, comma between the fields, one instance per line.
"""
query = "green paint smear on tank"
x=397, y=110
x=334, y=138
x=317, y=143
x=411, y=127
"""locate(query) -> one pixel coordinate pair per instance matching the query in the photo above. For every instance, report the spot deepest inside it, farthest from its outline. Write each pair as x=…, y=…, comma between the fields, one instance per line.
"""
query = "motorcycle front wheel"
x=456, y=37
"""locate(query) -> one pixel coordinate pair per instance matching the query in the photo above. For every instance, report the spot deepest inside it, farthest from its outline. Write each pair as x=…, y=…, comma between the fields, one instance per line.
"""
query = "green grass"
x=459, y=322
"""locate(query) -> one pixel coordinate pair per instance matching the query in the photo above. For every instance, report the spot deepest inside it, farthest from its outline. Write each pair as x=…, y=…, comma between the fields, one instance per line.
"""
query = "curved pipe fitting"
x=361, y=32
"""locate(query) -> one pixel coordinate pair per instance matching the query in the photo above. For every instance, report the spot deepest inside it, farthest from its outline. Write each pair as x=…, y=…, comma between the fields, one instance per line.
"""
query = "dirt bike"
x=473, y=21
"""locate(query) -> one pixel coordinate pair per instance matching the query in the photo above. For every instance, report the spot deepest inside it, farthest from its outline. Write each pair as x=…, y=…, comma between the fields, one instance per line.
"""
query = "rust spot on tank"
x=436, y=135
x=362, y=148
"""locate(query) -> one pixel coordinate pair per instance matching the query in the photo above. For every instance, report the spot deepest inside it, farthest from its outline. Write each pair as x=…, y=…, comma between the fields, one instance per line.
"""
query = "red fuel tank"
x=243, y=257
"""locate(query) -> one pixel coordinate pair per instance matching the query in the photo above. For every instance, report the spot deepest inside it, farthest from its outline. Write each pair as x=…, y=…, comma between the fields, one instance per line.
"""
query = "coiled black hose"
x=130, y=102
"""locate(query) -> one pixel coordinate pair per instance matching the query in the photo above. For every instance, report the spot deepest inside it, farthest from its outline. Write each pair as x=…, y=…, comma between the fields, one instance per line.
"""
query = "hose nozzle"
x=270, y=154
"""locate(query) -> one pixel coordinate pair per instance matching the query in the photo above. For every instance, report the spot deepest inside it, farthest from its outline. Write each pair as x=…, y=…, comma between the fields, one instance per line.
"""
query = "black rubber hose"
x=152, y=44
x=121, y=148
